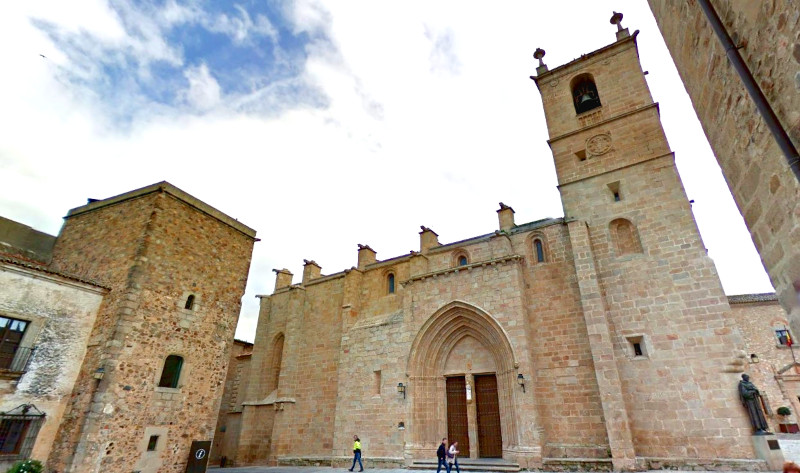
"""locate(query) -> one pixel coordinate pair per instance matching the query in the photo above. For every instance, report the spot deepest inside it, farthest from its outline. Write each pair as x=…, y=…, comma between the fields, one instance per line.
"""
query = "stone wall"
x=154, y=247
x=230, y=409
x=757, y=317
x=765, y=190
x=60, y=312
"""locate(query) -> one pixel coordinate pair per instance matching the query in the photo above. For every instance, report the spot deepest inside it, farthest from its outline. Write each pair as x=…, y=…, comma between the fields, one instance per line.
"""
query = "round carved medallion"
x=598, y=144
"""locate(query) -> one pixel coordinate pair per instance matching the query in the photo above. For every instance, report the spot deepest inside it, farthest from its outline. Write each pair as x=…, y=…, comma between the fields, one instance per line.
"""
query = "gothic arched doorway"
x=462, y=370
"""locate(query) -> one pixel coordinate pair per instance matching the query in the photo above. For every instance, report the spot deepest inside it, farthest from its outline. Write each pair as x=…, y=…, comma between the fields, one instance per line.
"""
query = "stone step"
x=469, y=465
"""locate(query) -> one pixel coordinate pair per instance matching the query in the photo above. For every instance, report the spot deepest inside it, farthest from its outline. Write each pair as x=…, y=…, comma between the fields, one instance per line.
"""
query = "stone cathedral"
x=599, y=340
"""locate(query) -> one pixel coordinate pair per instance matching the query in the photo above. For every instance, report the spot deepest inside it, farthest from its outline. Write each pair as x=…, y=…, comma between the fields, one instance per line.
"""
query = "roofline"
x=170, y=189
x=521, y=228
x=36, y=270
x=753, y=298
x=585, y=57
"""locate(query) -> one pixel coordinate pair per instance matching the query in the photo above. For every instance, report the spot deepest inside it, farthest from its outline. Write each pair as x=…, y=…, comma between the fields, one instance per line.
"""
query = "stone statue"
x=751, y=400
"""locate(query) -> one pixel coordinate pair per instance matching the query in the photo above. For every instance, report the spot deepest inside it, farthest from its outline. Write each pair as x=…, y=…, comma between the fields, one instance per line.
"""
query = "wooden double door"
x=487, y=416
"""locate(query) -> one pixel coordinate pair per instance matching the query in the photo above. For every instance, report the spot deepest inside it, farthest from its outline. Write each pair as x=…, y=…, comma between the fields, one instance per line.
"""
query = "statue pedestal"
x=767, y=448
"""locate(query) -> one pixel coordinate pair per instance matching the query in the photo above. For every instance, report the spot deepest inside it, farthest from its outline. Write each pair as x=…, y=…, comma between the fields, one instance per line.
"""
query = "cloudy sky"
x=320, y=124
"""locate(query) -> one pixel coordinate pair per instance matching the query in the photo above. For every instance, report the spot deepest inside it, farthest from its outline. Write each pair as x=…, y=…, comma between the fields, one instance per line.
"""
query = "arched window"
x=171, y=373
x=538, y=250
x=462, y=260
x=277, y=359
x=189, y=302
x=625, y=237
x=584, y=93
x=390, y=283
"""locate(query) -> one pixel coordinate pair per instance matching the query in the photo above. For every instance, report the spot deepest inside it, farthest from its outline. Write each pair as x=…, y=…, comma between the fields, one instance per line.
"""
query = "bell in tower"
x=584, y=94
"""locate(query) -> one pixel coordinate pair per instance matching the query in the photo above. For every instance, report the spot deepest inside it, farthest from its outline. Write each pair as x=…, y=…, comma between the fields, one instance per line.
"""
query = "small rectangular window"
x=614, y=187
x=581, y=155
x=784, y=337
x=377, y=387
x=152, y=443
x=637, y=346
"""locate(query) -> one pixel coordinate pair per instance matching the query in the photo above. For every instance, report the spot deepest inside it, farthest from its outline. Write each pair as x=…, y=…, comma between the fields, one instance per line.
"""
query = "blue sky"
x=321, y=124
x=201, y=53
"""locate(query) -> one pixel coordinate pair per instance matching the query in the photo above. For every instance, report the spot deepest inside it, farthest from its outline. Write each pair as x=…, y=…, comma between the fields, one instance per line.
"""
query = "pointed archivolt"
x=431, y=346
x=426, y=363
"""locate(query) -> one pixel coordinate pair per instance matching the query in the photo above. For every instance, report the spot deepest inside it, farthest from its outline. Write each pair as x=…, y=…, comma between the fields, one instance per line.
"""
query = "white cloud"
x=365, y=144
x=204, y=91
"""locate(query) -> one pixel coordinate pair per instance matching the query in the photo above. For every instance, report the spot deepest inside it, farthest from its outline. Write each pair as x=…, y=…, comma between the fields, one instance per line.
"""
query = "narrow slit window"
x=152, y=443
x=390, y=283
x=637, y=347
x=189, y=302
x=614, y=187
x=171, y=373
x=377, y=388
x=538, y=247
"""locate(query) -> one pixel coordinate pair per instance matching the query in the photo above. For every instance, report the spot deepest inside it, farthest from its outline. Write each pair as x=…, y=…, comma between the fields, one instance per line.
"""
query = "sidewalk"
x=327, y=469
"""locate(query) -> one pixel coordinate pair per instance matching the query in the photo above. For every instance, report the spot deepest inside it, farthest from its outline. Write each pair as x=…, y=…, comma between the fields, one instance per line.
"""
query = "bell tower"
x=650, y=295
x=602, y=121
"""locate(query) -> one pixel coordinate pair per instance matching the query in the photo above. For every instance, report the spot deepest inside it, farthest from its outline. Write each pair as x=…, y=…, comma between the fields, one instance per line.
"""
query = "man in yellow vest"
x=356, y=453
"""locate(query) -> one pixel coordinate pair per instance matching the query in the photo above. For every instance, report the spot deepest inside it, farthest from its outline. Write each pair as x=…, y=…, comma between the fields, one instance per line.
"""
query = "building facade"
x=599, y=340
x=45, y=320
x=130, y=313
x=226, y=436
x=764, y=187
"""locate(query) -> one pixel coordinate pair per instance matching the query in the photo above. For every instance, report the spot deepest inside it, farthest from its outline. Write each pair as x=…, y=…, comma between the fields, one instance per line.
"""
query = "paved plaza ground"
x=327, y=469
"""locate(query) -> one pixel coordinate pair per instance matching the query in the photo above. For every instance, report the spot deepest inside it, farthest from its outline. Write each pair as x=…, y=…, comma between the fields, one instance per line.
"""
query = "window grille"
x=18, y=430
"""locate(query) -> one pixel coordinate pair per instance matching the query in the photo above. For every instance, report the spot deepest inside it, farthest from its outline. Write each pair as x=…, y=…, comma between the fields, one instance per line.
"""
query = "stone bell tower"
x=651, y=299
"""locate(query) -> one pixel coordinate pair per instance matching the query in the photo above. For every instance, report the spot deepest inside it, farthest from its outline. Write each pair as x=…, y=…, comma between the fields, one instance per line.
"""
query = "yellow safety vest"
x=356, y=445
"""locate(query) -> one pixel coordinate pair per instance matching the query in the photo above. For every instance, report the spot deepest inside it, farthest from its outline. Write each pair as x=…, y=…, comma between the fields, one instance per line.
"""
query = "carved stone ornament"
x=598, y=144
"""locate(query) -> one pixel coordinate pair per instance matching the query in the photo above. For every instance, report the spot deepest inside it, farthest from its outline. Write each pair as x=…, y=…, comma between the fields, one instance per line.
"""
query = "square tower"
x=652, y=301
x=157, y=355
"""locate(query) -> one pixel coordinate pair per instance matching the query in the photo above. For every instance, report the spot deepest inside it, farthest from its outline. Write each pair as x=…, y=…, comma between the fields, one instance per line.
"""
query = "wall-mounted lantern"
x=99, y=373
x=401, y=389
x=521, y=381
x=753, y=358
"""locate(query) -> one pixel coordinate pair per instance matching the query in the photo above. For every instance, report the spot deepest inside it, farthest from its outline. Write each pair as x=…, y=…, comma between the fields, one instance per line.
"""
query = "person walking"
x=442, y=455
x=357, y=453
x=453, y=454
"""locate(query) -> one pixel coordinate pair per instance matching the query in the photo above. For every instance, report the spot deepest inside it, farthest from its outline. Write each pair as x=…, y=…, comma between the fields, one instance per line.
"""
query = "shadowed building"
x=755, y=131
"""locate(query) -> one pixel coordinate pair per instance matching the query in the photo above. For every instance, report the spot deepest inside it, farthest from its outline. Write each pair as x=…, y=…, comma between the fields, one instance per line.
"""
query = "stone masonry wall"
x=659, y=289
x=60, y=315
x=765, y=190
x=230, y=407
x=757, y=322
x=125, y=227
x=180, y=251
